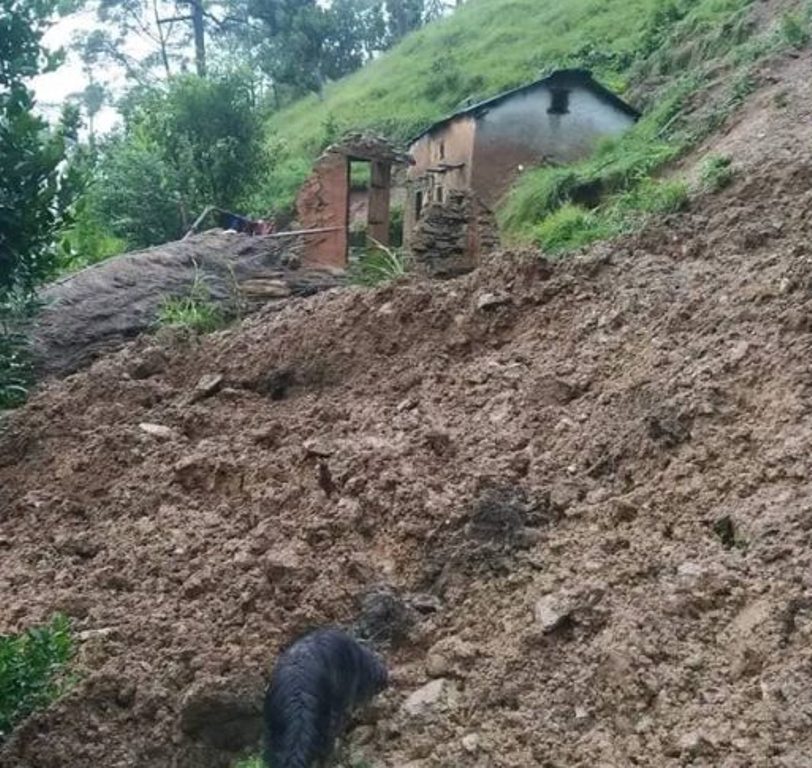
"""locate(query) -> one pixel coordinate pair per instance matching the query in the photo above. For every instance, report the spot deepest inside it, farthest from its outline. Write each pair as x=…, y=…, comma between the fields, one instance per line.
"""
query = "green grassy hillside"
x=485, y=47
x=662, y=54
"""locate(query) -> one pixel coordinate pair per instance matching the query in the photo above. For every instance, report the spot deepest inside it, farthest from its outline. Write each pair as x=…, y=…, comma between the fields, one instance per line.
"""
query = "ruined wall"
x=323, y=202
x=521, y=131
x=442, y=164
x=450, y=237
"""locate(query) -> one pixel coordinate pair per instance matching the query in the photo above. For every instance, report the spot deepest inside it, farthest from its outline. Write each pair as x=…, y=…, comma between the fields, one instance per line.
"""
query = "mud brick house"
x=323, y=204
x=465, y=163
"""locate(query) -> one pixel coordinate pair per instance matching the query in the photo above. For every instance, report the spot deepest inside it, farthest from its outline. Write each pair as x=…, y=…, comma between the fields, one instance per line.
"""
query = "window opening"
x=560, y=102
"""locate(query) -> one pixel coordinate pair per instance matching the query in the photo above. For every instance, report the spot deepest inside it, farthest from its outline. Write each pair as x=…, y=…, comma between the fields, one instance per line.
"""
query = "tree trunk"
x=200, y=36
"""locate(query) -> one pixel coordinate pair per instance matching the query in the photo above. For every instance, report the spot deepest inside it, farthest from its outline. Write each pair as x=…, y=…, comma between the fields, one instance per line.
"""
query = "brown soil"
x=587, y=482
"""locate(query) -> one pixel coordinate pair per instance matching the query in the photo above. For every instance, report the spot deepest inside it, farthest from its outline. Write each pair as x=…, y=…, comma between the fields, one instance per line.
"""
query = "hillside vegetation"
x=660, y=55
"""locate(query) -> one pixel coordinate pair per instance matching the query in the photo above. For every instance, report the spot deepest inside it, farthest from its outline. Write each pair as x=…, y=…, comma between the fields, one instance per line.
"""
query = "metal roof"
x=561, y=77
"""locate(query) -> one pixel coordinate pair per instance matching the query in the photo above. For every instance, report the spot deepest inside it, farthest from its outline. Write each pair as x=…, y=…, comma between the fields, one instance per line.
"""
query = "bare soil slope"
x=588, y=483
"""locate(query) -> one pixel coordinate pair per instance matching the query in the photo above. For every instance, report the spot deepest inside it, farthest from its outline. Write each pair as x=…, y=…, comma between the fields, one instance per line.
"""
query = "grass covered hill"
x=485, y=47
x=672, y=58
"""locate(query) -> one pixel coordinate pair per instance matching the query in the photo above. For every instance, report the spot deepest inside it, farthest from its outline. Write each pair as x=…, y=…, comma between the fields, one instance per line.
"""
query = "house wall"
x=521, y=132
x=323, y=203
x=451, y=144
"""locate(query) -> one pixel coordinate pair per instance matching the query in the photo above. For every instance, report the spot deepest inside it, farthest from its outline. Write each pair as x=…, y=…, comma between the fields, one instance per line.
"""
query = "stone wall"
x=451, y=236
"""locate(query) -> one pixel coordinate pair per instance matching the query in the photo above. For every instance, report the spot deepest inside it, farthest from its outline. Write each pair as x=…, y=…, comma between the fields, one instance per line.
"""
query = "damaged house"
x=464, y=164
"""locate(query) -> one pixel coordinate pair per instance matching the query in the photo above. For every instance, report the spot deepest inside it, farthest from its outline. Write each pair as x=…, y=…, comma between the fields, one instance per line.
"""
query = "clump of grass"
x=716, y=173
x=32, y=670
x=573, y=226
x=16, y=372
x=196, y=311
x=250, y=762
x=378, y=265
x=795, y=29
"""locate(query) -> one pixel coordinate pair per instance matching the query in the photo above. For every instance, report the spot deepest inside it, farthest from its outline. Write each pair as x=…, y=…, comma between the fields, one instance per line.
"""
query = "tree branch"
x=173, y=19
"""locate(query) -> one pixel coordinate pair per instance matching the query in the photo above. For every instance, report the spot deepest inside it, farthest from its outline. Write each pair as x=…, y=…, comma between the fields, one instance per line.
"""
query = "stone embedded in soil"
x=450, y=656
x=425, y=699
x=693, y=744
x=209, y=384
x=487, y=301
x=552, y=612
x=470, y=743
x=159, y=431
x=318, y=448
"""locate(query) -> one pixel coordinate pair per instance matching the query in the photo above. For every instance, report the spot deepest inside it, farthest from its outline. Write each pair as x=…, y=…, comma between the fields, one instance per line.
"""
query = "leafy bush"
x=250, y=762
x=195, y=311
x=32, y=670
x=136, y=193
x=716, y=173
x=34, y=189
x=573, y=226
x=185, y=146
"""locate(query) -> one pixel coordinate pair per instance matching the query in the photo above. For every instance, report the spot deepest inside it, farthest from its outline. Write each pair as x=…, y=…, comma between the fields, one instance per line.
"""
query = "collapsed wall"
x=451, y=237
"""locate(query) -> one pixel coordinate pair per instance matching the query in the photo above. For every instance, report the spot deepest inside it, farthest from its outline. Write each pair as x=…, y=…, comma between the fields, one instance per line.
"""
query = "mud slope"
x=590, y=480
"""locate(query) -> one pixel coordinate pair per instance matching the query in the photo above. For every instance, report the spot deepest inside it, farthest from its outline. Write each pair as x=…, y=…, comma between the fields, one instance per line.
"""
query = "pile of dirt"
x=96, y=311
x=574, y=499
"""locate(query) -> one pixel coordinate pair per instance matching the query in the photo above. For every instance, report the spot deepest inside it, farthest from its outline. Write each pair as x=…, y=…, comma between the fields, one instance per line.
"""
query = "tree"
x=168, y=28
x=186, y=145
x=33, y=190
x=356, y=31
x=404, y=16
x=301, y=43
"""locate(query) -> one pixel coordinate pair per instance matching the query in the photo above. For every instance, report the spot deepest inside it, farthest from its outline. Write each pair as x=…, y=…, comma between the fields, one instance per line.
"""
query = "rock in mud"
x=425, y=699
x=552, y=613
x=384, y=617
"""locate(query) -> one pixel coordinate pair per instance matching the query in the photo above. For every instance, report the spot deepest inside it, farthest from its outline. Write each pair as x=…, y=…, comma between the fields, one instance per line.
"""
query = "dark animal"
x=314, y=687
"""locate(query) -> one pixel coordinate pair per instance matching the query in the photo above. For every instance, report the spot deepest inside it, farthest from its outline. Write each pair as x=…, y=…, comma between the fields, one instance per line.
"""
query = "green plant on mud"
x=378, y=265
x=250, y=762
x=195, y=311
x=16, y=374
x=716, y=173
x=32, y=670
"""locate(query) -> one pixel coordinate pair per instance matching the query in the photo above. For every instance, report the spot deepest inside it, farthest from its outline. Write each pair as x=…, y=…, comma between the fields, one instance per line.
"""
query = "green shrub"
x=378, y=265
x=195, y=311
x=16, y=310
x=571, y=226
x=652, y=196
x=716, y=173
x=32, y=670
x=187, y=145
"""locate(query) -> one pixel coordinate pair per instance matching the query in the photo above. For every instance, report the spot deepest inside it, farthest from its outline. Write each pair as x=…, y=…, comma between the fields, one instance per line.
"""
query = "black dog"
x=315, y=685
